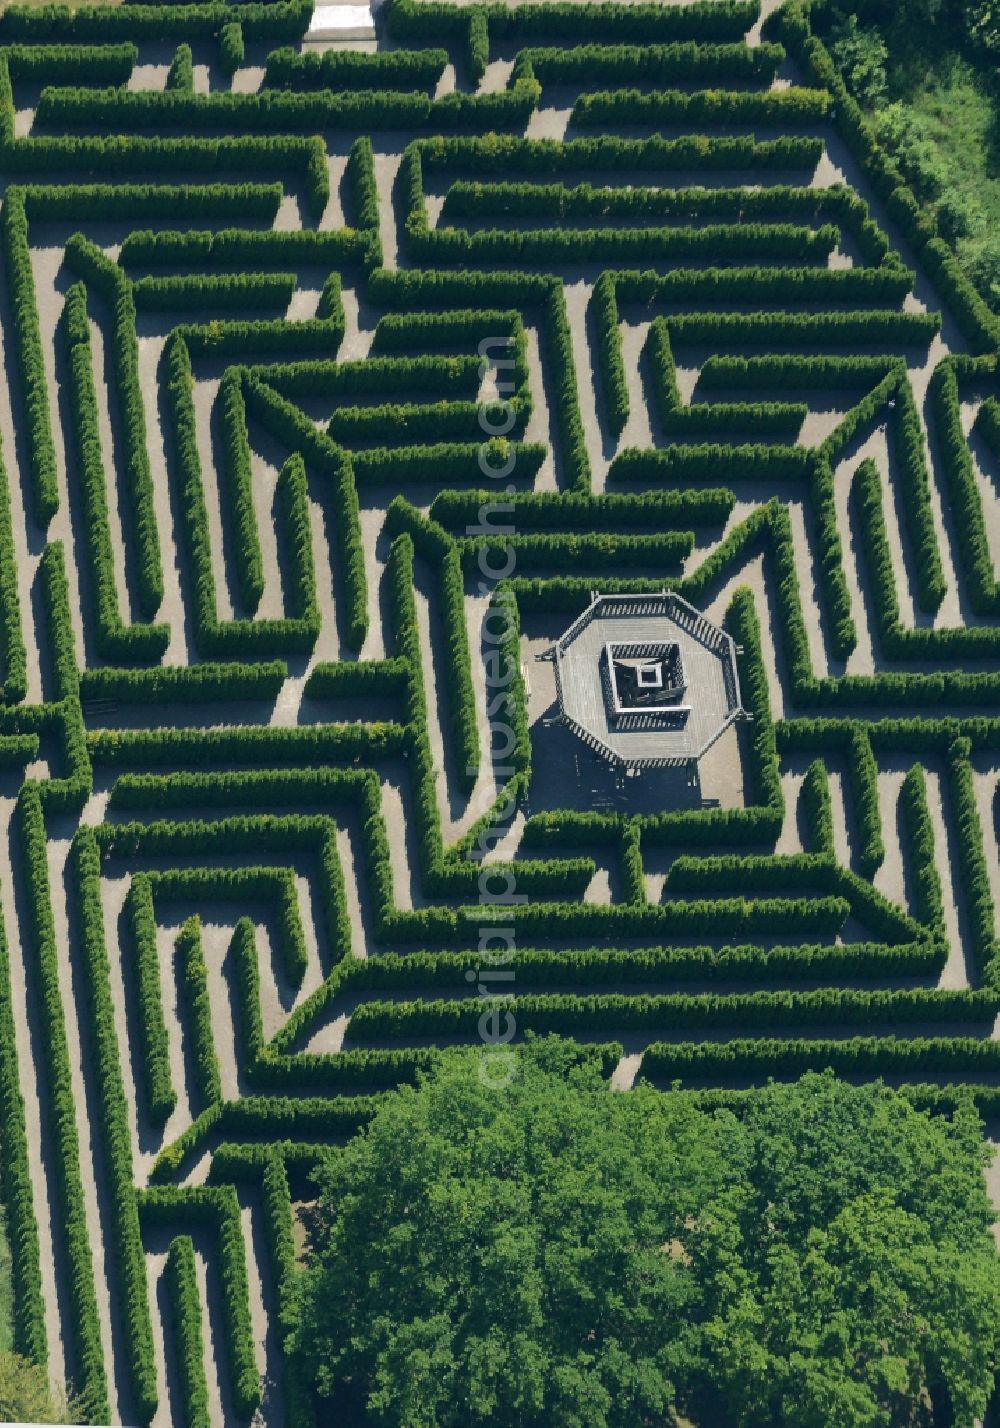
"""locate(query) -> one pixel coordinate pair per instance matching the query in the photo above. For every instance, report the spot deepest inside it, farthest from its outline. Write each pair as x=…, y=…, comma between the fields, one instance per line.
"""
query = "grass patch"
x=935, y=110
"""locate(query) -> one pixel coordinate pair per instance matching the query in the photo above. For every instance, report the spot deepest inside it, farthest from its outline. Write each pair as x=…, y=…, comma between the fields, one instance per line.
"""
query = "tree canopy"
x=27, y=1396
x=555, y=1253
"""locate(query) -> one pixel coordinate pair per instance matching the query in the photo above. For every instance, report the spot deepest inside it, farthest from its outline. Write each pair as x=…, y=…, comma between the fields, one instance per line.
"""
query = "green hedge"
x=918, y=841
x=972, y=868
x=27, y=354
x=219, y=1206
x=231, y=47
x=113, y=639
x=88, y=260
x=87, y=1360
x=13, y=651
x=291, y=425
x=281, y=111
x=778, y=107
x=828, y=1006
x=21, y=1226
x=350, y=69
x=140, y=915
x=261, y=19
x=238, y=487
x=186, y=1316
x=193, y=984
x=687, y=61
x=129, y=1257
x=213, y=291
x=293, y=634
x=861, y=1055
x=705, y=19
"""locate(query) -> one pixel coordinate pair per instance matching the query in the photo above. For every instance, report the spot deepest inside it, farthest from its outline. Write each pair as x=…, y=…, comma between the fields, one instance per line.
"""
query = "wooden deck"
x=712, y=699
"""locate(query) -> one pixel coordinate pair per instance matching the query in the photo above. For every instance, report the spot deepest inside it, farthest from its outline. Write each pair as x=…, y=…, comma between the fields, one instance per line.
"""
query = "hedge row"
x=291, y=425
x=431, y=542
x=609, y=360
x=827, y=1006
x=573, y=550
x=458, y=375
x=678, y=418
x=238, y=487
x=273, y=1117
x=113, y=639
x=897, y=642
x=15, y=1185
x=502, y=154
x=261, y=745
x=918, y=834
x=918, y=513
x=88, y=260
x=711, y=288
x=691, y=462
x=44, y=485
x=220, y=1207
x=722, y=871
x=580, y=22
x=281, y=111
x=129, y=1256
x=472, y=198
x=445, y=421
x=149, y=200
x=817, y=809
x=59, y=628
x=577, y=510
x=250, y=833
x=779, y=107
x=193, y=985
x=380, y=678
x=223, y=247
x=962, y=486
x=533, y=967
x=88, y=1359
x=867, y=1055
x=564, y=399
x=830, y=566
x=687, y=61
x=65, y=63
x=231, y=47
x=185, y=1303
x=140, y=915
x=862, y=774
x=972, y=865
x=447, y=461
x=122, y=154
x=274, y=885
x=214, y=636
x=195, y=683
x=261, y=19
x=213, y=291
x=349, y=69
x=180, y=75
x=547, y=245
x=13, y=652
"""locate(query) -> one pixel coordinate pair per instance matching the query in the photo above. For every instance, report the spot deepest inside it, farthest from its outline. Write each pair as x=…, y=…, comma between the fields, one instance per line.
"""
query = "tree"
x=557, y=1254
x=26, y=1396
x=861, y=56
x=981, y=19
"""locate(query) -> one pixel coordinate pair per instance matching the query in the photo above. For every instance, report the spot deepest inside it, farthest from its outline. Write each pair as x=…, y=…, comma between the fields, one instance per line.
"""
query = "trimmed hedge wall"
x=182, y=1285
x=88, y=1369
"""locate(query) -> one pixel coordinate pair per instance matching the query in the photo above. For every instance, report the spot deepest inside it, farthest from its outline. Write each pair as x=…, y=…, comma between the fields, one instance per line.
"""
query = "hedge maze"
x=335, y=383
